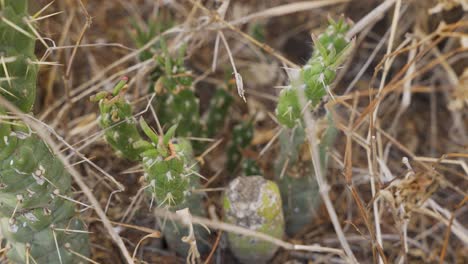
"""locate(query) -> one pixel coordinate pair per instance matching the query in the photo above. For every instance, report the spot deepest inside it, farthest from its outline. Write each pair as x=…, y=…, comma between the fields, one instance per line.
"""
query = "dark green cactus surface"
x=217, y=112
x=18, y=83
x=242, y=135
x=37, y=218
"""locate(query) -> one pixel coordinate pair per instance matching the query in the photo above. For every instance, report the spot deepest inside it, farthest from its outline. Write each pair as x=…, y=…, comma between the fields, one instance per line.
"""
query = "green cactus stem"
x=17, y=74
x=294, y=168
x=315, y=77
x=173, y=232
x=168, y=163
x=116, y=118
x=253, y=203
x=37, y=218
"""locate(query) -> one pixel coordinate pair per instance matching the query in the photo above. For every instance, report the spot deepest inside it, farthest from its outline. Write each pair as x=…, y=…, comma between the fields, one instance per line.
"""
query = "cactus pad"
x=253, y=203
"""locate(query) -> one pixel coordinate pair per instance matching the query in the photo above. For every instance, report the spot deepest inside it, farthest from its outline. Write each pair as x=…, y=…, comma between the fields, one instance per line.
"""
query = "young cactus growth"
x=37, y=218
x=316, y=76
x=253, y=203
x=120, y=127
x=166, y=170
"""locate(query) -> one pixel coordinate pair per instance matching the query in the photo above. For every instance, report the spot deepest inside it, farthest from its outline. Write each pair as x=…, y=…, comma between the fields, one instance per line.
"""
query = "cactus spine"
x=253, y=203
x=36, y=217
x=298, y=188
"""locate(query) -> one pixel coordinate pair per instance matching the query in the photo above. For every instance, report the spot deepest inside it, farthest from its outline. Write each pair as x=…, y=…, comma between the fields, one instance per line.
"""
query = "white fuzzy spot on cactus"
x=5, y=139
x=19, y=197
x=30, y=193
x=116, y=135
x=148, y=162
x=169, y=176
x=38, y=175
x=13, y=228
x=220, y=102
x=31, y=217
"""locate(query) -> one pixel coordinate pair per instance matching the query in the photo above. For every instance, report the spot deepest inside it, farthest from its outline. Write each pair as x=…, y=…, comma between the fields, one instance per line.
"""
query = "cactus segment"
x=253, y=203
x=316, y=76
x=33, y=184
x=298, y=187
x=242, y=135
x=217, y=112
x=37, y=218
x=116, y=117
x=180, y=108
x=17, y=73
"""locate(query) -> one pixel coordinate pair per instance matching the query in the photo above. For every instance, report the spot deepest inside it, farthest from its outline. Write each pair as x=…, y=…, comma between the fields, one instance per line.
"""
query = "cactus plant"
x=167, y=161
x=253, y=203
x=298, y=188
x=37, y=218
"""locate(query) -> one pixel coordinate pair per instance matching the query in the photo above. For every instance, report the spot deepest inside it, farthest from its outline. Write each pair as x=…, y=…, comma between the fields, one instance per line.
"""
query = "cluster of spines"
x=316, y=76
x=37, y=217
